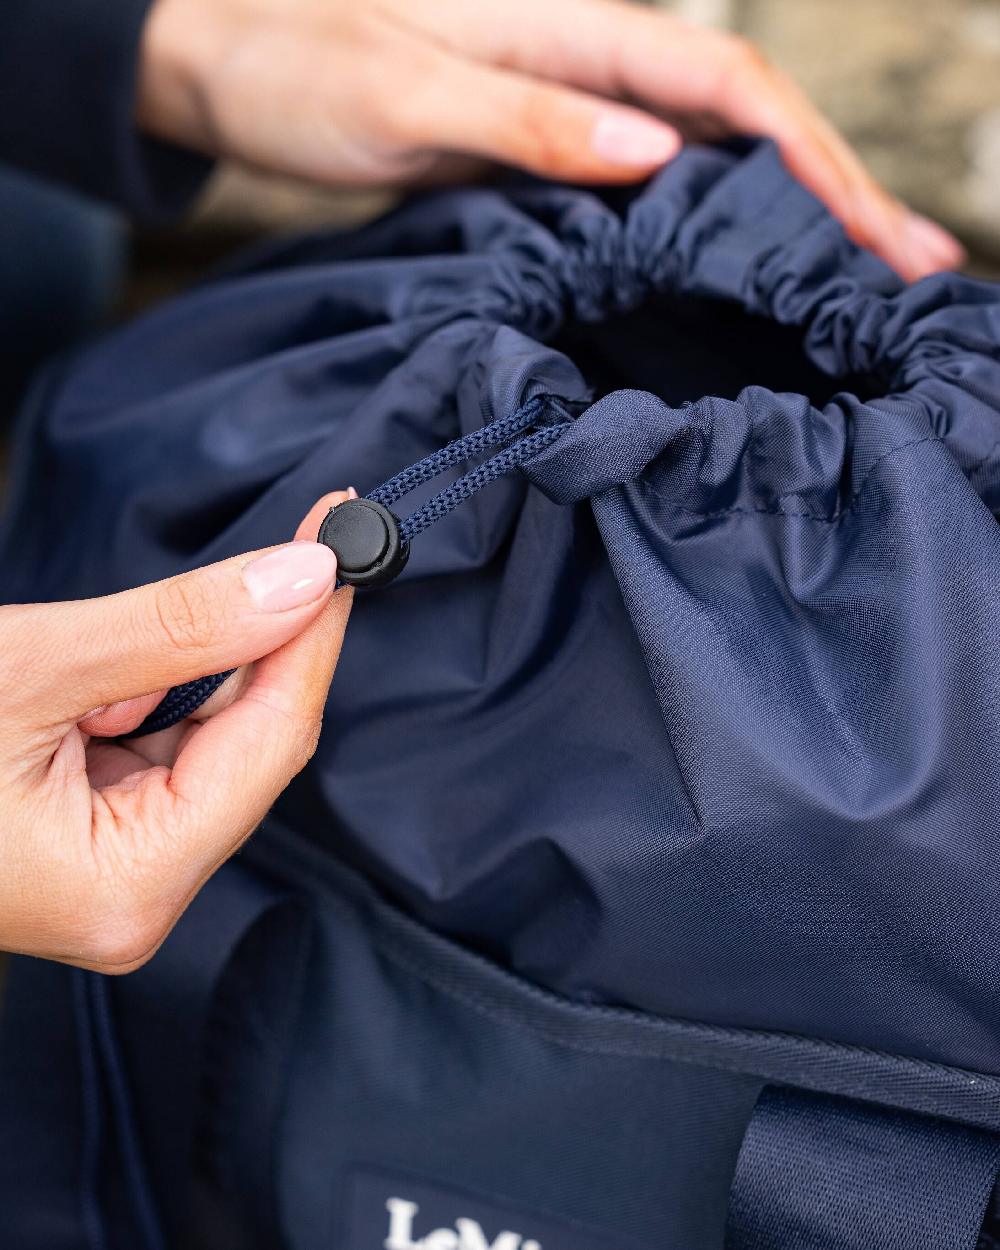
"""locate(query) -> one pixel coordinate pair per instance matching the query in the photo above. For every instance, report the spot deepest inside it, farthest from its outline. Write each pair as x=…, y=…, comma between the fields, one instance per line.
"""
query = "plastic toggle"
x=366, y=539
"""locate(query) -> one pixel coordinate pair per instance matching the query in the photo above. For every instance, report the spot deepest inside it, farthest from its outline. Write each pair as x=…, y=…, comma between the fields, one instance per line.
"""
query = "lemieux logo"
x=465, y=1234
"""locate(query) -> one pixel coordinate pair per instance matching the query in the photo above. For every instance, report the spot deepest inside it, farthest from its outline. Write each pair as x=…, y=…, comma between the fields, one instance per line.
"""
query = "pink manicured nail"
x=290, y=577
x=351, y=493
x=632, y=140
x=933, y=242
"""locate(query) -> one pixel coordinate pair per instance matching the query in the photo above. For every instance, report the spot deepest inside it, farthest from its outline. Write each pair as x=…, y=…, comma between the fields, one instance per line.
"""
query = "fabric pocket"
x=428, y=1095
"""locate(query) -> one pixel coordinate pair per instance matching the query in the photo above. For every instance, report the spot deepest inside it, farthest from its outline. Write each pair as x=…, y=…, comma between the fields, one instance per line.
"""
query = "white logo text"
x=466, y=1235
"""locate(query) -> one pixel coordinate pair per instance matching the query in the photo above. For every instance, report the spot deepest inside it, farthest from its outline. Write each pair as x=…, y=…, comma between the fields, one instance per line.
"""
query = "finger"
x=177, y=826
x=231, y=769
x=160, y=748
x=749, y=95
x=97, y=652
x=186, y=820
x=238, y=682
x=226, y=694
x=760, y=99
x=241, y=680
x=550, y=130
x=123, y=718
x=910, y=243
x=317, y=514
x=120, y=718
x=673, y=67
x=681, y=68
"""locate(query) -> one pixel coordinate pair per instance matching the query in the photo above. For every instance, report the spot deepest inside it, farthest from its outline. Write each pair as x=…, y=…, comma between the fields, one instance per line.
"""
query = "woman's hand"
x=384, y=91
x=105, y=842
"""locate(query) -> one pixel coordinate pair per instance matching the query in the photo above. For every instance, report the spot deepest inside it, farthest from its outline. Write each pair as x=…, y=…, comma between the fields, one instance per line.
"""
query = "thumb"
x=93, y=652
x=543, y=127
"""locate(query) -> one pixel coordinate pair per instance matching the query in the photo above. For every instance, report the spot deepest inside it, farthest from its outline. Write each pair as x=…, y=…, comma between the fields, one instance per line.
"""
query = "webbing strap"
x=536, y=424
x=823, y=1173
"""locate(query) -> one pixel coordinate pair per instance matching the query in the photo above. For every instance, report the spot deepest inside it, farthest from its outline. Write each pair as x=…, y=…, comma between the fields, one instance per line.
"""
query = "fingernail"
x=933, y=241
x=290, y=577
x=351, y=493
x=115, y=714
x=633, y=140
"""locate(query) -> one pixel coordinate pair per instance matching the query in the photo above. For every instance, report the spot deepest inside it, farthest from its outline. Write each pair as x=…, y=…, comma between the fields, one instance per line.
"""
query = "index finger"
x=622, y=50
x=227, y=771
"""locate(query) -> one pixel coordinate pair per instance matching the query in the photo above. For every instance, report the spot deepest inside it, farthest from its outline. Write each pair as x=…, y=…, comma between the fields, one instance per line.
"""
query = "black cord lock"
x=366, y=540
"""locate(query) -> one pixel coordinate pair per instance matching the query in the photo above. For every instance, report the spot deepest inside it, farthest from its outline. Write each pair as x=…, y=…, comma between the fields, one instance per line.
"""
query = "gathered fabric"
x=704, y=724
x=675, y=742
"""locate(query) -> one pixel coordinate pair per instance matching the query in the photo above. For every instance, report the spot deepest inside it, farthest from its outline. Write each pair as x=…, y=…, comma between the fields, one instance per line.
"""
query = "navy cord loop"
x=525, y=432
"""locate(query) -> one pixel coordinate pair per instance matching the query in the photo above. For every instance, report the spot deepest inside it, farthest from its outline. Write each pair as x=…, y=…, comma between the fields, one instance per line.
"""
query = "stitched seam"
x=389, y=930
x=849, y=509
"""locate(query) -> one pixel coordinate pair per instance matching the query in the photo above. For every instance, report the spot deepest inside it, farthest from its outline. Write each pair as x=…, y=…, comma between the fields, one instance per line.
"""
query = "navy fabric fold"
x=698, y=714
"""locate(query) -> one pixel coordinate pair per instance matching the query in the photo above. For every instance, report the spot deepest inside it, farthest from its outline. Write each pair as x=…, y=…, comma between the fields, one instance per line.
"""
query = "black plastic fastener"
x=366, y=540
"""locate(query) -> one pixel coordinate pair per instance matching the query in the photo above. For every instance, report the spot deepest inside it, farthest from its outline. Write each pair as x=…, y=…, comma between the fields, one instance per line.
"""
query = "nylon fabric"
x=744, y=621
x=747, y=631
x=691, y=716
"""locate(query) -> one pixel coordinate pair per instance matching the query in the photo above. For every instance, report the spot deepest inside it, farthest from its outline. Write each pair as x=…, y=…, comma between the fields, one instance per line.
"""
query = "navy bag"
x=643, y=892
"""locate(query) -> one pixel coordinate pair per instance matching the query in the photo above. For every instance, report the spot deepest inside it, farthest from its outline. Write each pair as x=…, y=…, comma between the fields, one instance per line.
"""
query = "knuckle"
x=746, y=56
x=740, y=73
x=187, y=615
x=409, y=115
x=541, y=130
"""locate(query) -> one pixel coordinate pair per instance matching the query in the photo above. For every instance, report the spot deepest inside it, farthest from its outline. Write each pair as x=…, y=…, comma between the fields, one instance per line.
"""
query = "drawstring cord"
x=498, y=466
x=534, y=426
x=179, y=702
x=469, y=447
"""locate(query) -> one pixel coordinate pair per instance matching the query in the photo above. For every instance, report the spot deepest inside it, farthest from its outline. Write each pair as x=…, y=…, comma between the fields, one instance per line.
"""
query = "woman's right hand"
x=104, y=840
x=386, y=91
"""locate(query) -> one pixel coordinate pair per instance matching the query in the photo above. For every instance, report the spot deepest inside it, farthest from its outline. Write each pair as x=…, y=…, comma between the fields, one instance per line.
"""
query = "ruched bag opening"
x=680, y=347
